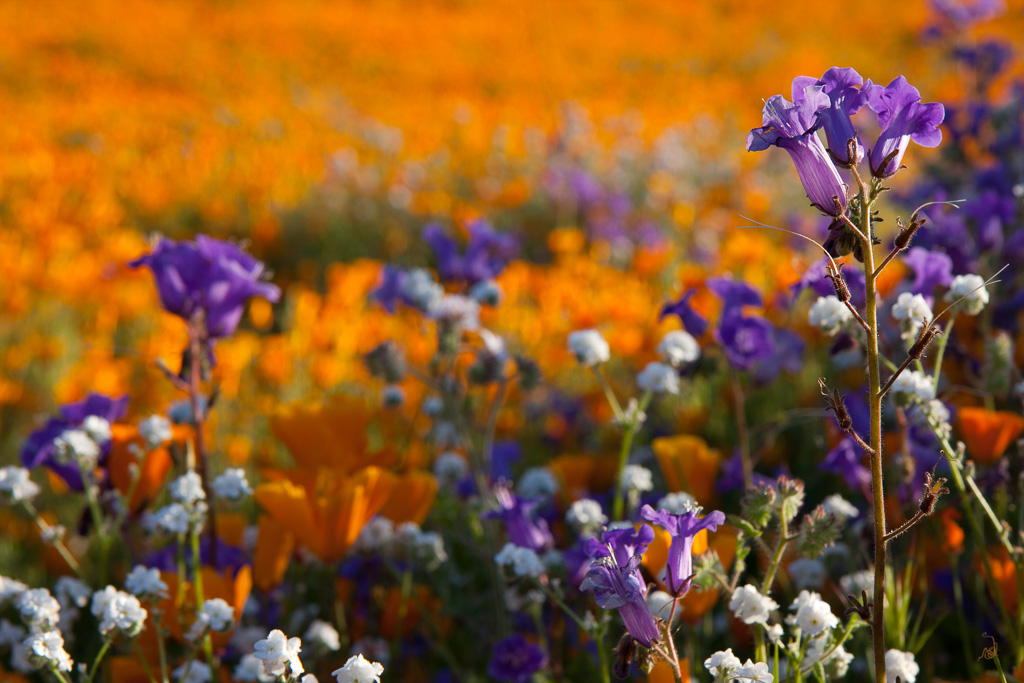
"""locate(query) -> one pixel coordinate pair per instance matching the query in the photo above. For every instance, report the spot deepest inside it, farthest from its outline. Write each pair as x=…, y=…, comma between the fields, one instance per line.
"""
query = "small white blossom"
x=636, y=478
x=375, y=536
x=973, y=288
x=678, y=348
x=754, y=673
x=722, y=662
x=522, y=561
x=173, y=519
x=155, y=430
x=420, y=288
x=856, y=583
x=589, y=347
x=232, y=485
x=774, y=633
x=216, y=615
x=250, y=670
x=537, y=482
x=10, y=589
x=837, y=663
x=900, y=664
x=71, y=592
x=750, y=606
x=75, y=445
x=98, y=429
x=807, y=573
x=424, y=548
x=39, y=610
x=658, y=378
x=840, y=507
x=359, y=670
x=914, y=385
x=829, y=314
x=119, y=611
x=196, y=672
x=145, y=583
x=187, y=489
x=585, y=514
x=16, y=485
x=450, y=468
x=47, y=649
x=813, y=615
x=459, y=311
x=677, y=502
x=911, y=311
x=322, y=634
x=280, y=654
x=51, y=534
x=660, y=604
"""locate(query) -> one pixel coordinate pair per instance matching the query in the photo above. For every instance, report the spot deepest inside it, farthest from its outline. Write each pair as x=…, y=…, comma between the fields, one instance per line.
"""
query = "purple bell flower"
x=843, y=87
x=487, y=253
x=621, y=544
x=745, y=339
x=931, y=269
x=515, y=660
x=903, y=117
x=524, y=530
x=846, y=460
x=734, y=294
x=792, y=127
x=389, y=290
x=208, y=276
x=682, y=528
x=622, y=587
x=693, y=322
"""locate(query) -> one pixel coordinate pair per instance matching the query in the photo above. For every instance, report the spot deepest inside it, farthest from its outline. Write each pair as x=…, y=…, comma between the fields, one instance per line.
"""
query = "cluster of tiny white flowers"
x=155, y=430
x=187, y=489
x=75, y=445
x=450, y=468
x=47, y=649
x=972, y=288
x=677, y=502
x=232, y=485
x=836, y=505
x=321, y=634
x=173, y=519
x=856, y=583
x=522, y=561
x=280, y=654
x=459, y=311
x=838, y=661
x=585, y=516
x=425, y=548
x=807, y=572
x=914, y=385
x=636, y=478
x=902, y=664
x=117, y=610
x=658, y=378
x=936, y=414
x=726, y=667
x=51, y=533
x=188, y=509
x=678, y=348
x=16, y=486
x=145, y=583
x=420, y=288
x=750, y=606
x=911, y=311
x=216, y=615
x=812, y=615
x=39, y=610
x=72, y=594
x=359, y=670
x=10, y=589
x=537, y=482
x=98, y=429
x=375, y=536
x=829, y=314
x=589, y=347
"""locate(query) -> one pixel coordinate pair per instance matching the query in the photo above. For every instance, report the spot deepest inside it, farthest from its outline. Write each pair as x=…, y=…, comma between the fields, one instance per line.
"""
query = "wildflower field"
x=526, y=342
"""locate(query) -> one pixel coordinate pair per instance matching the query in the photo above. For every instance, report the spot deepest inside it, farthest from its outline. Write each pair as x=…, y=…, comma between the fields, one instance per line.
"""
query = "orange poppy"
x=688, y=465
x=662, y=672
x=987, y=433
x=580, y=474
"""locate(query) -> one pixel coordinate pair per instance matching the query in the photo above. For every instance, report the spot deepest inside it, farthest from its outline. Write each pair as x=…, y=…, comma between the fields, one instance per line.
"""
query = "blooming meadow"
x=580, y=402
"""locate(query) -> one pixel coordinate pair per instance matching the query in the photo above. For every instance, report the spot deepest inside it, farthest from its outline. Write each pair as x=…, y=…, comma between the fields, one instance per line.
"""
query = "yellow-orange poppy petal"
x=289, y=506
x=987, y=433
x=411, y=499
x=688, y=465
x=662, y=672
x=274, y=546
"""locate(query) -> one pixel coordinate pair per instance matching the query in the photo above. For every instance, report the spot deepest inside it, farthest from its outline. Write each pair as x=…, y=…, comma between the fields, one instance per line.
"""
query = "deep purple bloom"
x=389, y=290
x=787, y=355
x=745, y=339
x=734, y=293
x=931, y=269
x=622, y=587
x=682, y=528
x=523, y=528
x=815, y=280
x=621, y=544
x=39, y=449
x=792, y=127
x=516, y=659
x=843, y=87
x=208, y=277
x=846, y=460
x=903, y=117
x=487, y=254
x=693, y=322
x=963, y=13
x=731, y=476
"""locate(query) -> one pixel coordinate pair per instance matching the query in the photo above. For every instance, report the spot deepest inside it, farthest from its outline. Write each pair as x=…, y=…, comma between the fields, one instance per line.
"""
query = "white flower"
x=450, y=468
x=250, y=670
x=216, y=615
x=813, y=615
x=119, y=611
x=636, y=478
x=837, y=663
x=750, y=606
x=322, y=634
x=755, y=673
x=660, y=604
x=51, y=533
x=280, y=654
x=914, y=385
x=16, y=485
x=11, y=634
x=77, y=446
x=840, y=507
x=39, y=610
x=145, y=583
x=232, y=484
x=420, y=288
x=678, y=348
x=71, y=592
x=900, y=664
x=585, y=514
x=459, y=311
x=677, y=502
x=973, y=288
x=47, y=648
x=98, y=429
x=155, y=430
x=912, y=311
x=195, y=672
x=375, y=536
x=537, y=482
x=775, y=633
x=359, y=670
x=522, y=561
x=589, y=347
x=829, y=315
x=173, y=518
x=425, y=548
x=187, y=489
x=721, y=662
x=807, y=573
x=856, y=583
x=10, y=589
x=658, y=378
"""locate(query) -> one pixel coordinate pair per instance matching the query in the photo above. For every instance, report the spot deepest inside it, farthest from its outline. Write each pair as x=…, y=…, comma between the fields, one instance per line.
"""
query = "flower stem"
x=99, y=657
x=627, y=446
x=198, y=419
x=743, y=432
x=142, y=658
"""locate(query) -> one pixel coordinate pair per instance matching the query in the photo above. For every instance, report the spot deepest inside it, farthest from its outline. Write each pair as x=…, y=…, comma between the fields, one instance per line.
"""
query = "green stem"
x=142, y=658
x=197, y=571
x=941, y=351
x=58, y=543
x=618, y=506
x=161, y=648
x=56, y=672
x=99, y=657
x=780, y=549
x=403, y=605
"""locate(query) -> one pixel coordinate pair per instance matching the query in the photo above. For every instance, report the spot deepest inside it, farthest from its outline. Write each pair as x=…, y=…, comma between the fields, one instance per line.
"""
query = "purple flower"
x=620, y=544
x=39, y=449
x=745, y=339
x=682, y=528
x=487, y=253
x=787, y=355
x=843, y=87
x=516, y=659
x=903, y=117
x=963, y=13
x=389, y=290
x=815, y=280
x=208, y=277
x=734, y=293
x=846, y=460
x=693, y=322
x=523, y=530
x=792, y=127
x=931, y=269
x=621, y=587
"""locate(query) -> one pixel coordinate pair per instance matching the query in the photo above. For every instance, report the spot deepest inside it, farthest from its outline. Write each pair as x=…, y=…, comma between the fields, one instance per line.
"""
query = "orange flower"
x=579, y=474
x=1004, y=573
x=688, y=465
x=987, y=433
x=662, y=672
x=153, y=469
x=274, y=546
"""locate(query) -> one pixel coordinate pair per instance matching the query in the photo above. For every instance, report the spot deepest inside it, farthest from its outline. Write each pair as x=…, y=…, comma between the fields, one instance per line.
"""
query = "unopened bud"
x=386, y=361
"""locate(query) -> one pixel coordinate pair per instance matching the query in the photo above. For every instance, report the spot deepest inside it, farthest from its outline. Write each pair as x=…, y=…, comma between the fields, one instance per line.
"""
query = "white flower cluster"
x=836, y=505
x=188, y=509
x=461, y=312
x=216, y=615
x=913, y=385
x=279, y=654
x=678, y=348
x=812, y=615
x=118, y=611
x=450, y=468
x=902, y=664
x=16, y=486
x=76, y=445
x=375, y=536
x=807, y=572
x=934, y=413
x=537, y=482
x=636, y=479
x=586, y=517
x=232, y=485
x=523, y=562
x=972, y=288
x=750, y=606
x=911, y=311
x=421, y=289
x=359, y=670
x=726, y=668
x=41, y=644
x=829, y=315
x=425, y=548
x=145, y=583
x=47, y=649
x=658, y=378
x=321, y=634
x=155, y=430
x=39, y=610
x=72, y=594
x=589, y=347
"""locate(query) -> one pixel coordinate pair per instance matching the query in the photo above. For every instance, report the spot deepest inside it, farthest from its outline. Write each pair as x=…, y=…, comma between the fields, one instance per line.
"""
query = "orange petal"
x=274, y=545
x=688, y=465
x=987, y=433
x=412, y=498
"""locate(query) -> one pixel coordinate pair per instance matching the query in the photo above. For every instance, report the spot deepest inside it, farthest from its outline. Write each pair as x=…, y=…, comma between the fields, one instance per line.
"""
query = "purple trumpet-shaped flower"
x=516, y=660
x=40, y=450
x=734, y=293
x=843, y=87
x=745, y=339
x=622, y=587
x=693, y=322
x=931, y=269
x=621, y=544
x=792, y=127
x=208, y=277
x=487, y=252
x=682, y=528
x=523, y=529
x=903, y=117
